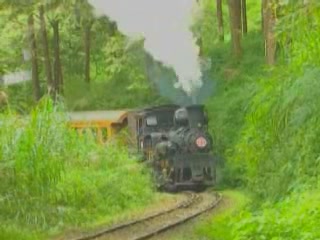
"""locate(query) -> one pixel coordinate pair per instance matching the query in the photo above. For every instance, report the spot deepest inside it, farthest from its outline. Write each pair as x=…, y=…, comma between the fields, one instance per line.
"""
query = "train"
x=172, y=140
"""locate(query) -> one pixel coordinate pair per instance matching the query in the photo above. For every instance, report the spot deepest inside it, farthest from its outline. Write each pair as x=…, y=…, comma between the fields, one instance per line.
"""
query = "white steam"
x=165, y=25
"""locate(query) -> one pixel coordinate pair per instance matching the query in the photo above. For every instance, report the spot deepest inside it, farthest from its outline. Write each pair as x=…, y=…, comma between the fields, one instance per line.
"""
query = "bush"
x=278, y=148
x=52, y=178
x=12, y=232
x=269, y=135
x=295, y=218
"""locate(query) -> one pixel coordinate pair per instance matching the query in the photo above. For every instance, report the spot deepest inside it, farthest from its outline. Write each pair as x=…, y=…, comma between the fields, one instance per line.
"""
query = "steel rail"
x=180, y=221
x=186, y=203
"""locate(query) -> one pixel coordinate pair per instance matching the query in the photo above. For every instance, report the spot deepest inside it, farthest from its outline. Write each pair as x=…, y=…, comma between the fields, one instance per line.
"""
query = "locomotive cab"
x=150, y=126
x=195, y=116
x=181, y=118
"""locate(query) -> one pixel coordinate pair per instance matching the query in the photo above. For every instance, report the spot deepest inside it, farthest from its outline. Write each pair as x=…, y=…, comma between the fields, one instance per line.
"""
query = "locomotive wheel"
x=169, y=187
x=163, y=185
x=200, y=188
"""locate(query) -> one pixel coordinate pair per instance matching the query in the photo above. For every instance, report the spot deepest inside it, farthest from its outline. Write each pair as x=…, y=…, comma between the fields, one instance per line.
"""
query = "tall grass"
x=278, y=150
x=294, y=218
x=270, y=135
x=51, y=178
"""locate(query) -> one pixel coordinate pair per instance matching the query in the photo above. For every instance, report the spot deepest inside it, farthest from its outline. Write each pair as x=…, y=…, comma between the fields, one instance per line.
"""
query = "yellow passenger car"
x=103, y=124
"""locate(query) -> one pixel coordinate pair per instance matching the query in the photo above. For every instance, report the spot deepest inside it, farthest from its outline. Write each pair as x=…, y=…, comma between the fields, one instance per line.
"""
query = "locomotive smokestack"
x=194, y=100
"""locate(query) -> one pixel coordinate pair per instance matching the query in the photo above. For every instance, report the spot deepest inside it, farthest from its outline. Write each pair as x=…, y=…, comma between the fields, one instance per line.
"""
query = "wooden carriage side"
x=104, y=124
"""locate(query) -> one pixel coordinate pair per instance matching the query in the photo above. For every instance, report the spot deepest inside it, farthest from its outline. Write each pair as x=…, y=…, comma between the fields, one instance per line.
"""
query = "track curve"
x=149, y=226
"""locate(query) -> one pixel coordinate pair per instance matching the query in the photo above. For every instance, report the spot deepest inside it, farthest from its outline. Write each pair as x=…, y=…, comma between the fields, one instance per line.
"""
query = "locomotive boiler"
x=182, y=157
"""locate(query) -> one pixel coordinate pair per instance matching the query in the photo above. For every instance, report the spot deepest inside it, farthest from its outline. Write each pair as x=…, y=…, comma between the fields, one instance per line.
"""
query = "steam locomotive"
x=175, y=142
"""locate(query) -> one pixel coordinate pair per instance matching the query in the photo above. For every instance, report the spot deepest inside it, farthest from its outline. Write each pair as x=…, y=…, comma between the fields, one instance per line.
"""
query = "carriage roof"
x=95, y=116
x=146, y=111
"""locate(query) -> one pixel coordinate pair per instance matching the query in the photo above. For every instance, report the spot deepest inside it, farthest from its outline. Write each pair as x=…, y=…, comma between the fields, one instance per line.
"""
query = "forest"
x=260, y=69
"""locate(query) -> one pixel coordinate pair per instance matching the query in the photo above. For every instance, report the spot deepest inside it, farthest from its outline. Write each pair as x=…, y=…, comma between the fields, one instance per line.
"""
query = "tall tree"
x=87, y=50
x=244, y=16
x=47, y=61
x=57, y=72
x=58, y=10
x=235, y=25
x=269, y=34
x=220, y=20
x=85, y=20
x=3, y=99
x=263, y=13
x=34, y=59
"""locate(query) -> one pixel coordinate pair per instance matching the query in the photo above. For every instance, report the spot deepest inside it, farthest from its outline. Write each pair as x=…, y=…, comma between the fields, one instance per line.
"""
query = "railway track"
x=149, y=226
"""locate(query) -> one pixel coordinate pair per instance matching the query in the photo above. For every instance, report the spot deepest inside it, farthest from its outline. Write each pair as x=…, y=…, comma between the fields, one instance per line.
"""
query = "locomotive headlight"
x=201, y=142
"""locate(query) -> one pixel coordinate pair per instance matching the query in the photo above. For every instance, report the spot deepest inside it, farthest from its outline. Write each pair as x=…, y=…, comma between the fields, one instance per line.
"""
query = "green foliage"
x=236, y=85
x=277, y=150
x=12, y=232
x=117, y=65
x=266, y=125
x=11, y=56
x=297, y=35
x=295, y=218
x=264, y=121
x=117, y=70
x=280, y=136
x=219, y=226
x=51, y=178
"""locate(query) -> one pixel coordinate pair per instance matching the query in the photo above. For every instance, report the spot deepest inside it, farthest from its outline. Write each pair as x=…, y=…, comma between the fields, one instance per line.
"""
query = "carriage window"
x=152, y=121
x=104, y=134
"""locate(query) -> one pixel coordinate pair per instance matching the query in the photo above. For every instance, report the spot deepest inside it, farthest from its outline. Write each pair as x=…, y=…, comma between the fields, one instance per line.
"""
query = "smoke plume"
x=165, y=25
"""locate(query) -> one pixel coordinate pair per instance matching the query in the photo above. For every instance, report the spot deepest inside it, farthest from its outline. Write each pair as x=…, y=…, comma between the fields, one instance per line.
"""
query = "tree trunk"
x=47, y=61
x=58, y=80
x=244, y=16
x=3, y=99
x=270, y=39
x=34, y=59
x=264, y=4
x=220, y=20
x=87, y=47
x=235, y=25
x=200, y=45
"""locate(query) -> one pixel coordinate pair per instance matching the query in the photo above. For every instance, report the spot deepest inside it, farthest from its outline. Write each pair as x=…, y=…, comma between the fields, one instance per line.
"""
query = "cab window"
x=152, y=121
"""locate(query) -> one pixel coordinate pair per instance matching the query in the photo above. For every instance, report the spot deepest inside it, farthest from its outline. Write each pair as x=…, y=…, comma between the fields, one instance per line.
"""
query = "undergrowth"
x=294, y=218
x=218, y=227
x=266, y=126
x=52, y=179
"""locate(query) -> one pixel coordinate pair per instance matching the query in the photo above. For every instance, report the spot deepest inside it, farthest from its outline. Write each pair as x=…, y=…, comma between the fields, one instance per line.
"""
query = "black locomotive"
x=175, y=141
